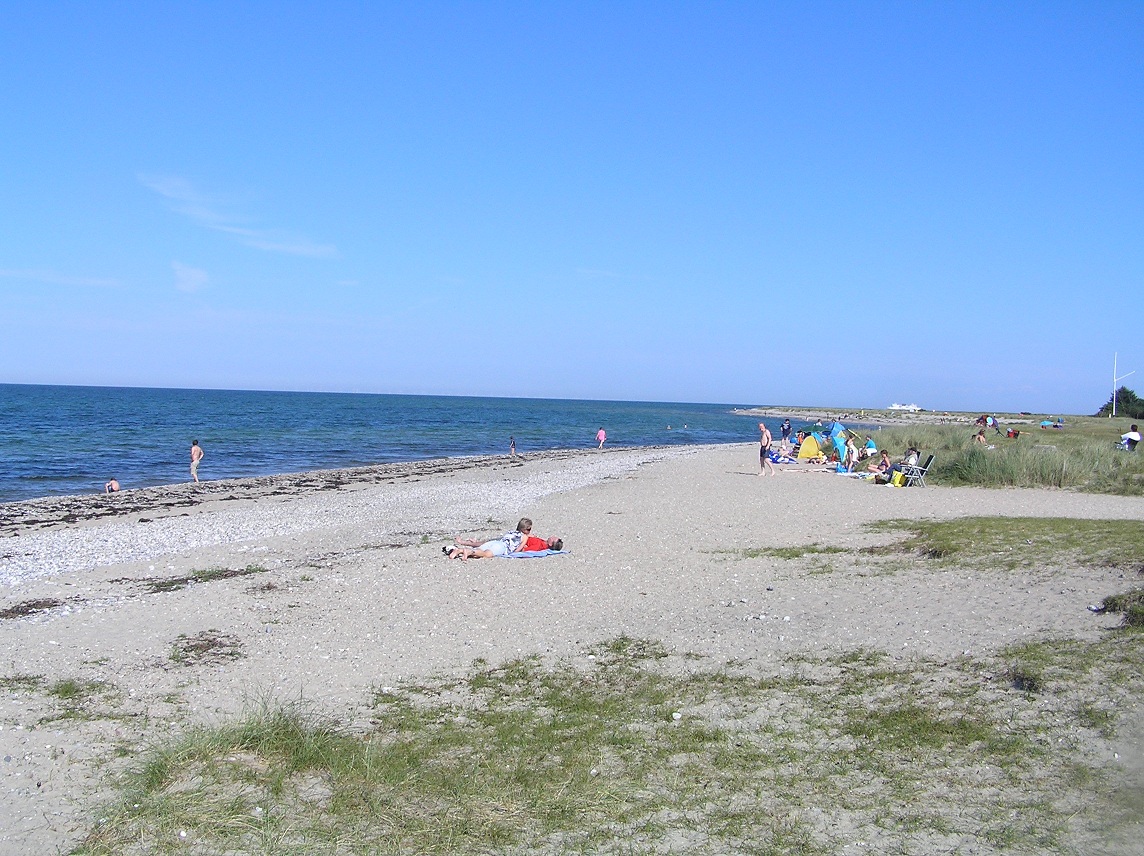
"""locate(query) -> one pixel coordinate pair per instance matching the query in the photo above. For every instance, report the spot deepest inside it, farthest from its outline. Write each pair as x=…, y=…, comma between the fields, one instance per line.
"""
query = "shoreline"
x=48, y=511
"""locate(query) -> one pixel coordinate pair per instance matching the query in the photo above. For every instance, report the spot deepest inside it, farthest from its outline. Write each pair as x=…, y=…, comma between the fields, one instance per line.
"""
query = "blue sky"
x=831, y=204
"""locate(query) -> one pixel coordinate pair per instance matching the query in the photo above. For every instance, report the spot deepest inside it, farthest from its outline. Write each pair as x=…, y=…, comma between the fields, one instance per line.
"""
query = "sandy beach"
x=351, y=592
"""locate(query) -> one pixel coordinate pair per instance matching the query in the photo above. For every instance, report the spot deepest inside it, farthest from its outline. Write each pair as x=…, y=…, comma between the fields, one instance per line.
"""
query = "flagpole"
x=1116, y=380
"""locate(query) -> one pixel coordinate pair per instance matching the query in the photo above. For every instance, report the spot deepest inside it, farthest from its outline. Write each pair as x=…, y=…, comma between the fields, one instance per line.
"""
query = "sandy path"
x=353, y=600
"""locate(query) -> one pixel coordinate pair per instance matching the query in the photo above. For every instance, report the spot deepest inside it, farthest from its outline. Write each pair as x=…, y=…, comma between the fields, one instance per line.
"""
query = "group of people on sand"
x=519, y=540
x=788, y=447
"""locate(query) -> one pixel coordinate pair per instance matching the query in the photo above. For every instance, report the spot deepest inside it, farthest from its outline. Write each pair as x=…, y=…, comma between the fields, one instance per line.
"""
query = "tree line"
x=1128, y=405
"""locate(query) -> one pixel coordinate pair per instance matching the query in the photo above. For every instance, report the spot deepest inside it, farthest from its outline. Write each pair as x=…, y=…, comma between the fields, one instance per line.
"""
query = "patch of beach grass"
x=1021, y=542
x=78, y=699
x=1130, y=604
x=1081, y=457
x=628, y=748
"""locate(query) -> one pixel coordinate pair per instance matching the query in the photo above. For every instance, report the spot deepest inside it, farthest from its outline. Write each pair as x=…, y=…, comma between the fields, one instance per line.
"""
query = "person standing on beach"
x=512, y=447
x=786, y=429
x=196, y=456
x=765, y=448
x=601, y=437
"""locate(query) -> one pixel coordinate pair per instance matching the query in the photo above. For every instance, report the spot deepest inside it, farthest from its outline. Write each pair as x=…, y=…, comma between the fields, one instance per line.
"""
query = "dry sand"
x=357, y=595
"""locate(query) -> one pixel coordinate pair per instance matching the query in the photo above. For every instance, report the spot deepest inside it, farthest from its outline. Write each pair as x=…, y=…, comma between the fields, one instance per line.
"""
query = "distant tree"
x=1128, y=405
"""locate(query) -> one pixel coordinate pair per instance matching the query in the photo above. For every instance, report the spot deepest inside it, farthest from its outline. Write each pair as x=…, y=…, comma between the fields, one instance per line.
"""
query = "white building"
x=909, y=408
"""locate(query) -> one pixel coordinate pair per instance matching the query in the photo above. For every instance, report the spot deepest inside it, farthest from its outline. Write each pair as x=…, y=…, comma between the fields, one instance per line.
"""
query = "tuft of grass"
x=78, y=699
x=1131, y=604
x=1024, y=677
x=910, y=727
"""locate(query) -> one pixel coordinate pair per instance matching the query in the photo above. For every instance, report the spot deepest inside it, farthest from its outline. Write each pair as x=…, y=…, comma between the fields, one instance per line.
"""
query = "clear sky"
x=791, y=203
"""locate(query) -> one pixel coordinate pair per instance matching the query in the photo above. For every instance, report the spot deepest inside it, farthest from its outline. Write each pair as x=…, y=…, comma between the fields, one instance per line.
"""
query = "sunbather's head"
x=524, y=526
x=555, y=543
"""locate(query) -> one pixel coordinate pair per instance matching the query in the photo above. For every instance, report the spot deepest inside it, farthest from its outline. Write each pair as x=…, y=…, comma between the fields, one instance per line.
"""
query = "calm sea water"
x=58, y=440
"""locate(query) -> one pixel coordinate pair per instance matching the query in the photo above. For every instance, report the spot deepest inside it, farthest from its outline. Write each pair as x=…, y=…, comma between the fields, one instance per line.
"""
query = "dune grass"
x=1082, y=457
x=630, y=751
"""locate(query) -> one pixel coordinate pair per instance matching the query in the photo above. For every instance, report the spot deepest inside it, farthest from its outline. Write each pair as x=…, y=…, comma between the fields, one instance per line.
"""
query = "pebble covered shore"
x=39, y=537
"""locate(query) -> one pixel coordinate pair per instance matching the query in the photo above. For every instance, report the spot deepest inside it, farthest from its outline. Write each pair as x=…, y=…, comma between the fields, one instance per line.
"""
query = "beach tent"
x=838, y=438
x=811, y=447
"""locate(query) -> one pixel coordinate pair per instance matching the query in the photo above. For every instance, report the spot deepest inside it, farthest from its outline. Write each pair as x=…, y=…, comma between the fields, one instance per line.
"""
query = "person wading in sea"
x=196, y=456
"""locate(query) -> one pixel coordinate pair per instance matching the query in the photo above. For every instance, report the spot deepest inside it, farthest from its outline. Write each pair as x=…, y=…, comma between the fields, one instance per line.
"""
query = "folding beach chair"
x=916, y=475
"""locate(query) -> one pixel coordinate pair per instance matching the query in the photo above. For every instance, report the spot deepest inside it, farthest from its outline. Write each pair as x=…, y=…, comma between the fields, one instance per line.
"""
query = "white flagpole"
x=1115, y=381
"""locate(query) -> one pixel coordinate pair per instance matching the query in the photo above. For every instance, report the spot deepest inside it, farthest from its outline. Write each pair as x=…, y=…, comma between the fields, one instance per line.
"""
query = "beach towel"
x=535, y=554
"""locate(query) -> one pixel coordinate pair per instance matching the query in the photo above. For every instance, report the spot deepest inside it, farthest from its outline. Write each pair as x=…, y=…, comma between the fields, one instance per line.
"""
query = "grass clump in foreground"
x=1081, y=457
x=629, y=751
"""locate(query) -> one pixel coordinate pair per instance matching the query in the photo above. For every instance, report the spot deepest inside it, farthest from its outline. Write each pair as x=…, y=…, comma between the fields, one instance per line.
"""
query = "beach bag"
x=898, y=479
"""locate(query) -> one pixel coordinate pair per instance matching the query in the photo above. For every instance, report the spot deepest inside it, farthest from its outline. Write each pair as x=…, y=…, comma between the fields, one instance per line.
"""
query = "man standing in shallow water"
x=196, y=456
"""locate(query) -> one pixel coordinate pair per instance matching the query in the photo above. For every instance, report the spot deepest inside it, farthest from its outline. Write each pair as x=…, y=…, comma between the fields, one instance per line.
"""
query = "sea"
x=66, y=440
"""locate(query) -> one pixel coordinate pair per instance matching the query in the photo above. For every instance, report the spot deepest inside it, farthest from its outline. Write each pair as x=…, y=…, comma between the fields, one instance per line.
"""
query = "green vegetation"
x=1128, y=405
x=989, y=543
x=21, y=682
x=1021, y=542
x=632, y=745
x=1083, y=456
x=1131, y=604
x=157, y=585
x=78, y=699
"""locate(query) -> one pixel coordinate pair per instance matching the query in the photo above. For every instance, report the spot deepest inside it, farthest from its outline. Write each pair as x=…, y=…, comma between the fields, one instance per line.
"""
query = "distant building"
x=908, y=408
